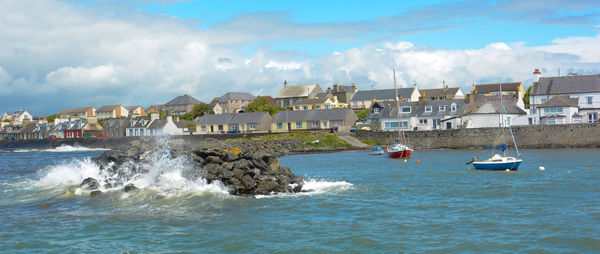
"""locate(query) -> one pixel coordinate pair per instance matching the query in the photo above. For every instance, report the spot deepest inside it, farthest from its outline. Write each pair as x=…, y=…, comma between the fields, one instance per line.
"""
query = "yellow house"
x=319, y=103
x=341, y=119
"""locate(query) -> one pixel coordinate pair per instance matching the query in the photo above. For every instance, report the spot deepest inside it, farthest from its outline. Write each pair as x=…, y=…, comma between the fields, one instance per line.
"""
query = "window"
x=442, y=107
x=592, y=117
x=315, y=124
x=423, y=121
x=141, y=132
x=553, y=110
x=354, y=104
x=305, y=107
x=543, y=100
x=336, y=123
x=453, y=107
x=394, y=125
x=234, y=127
x=252, y=126
x=279, y=125
x=296, y=108
x=130, y=132
x=298, y=124
x=319, y=106
x=428, y=108
x=203, y=127
x=327, y=106
x=137, y=132
x=376, y=110
x=220, y=127
x=589, y=99
x=551, y=121
x=405, y=109
x=324, y=124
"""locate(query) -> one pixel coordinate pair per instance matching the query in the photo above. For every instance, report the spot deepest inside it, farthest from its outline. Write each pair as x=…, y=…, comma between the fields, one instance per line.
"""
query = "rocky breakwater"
x=245, y=172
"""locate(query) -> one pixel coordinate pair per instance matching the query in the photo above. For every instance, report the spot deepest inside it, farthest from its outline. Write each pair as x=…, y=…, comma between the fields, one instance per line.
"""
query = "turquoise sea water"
x=358, y=203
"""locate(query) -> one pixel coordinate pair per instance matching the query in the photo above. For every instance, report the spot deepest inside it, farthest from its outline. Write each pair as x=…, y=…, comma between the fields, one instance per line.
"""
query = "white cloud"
x=148, y=59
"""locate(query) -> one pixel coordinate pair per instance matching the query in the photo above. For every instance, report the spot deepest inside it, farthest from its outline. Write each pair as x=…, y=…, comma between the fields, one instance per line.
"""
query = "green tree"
x=261, y=104
x=362, y=114
x=199, y=110
x=188, y=116
x=526, y=97
x=6, y=121
x=52, y=117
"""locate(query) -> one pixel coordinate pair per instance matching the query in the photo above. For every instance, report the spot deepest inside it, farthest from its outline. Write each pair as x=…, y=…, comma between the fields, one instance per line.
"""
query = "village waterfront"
x=357, y=203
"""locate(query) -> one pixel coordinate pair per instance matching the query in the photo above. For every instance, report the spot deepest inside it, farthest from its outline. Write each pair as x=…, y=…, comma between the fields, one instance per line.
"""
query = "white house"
x=17, y=116
x=429, y=115
x=584, y=88
x=560, y=110
x=492, y=114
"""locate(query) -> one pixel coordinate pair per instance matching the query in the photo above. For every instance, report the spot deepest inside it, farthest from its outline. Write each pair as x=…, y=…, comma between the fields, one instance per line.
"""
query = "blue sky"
x=60, y=54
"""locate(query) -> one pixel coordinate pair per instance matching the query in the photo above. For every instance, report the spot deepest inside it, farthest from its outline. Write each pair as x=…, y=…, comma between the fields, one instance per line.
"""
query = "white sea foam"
x=162, y=173
x=61, y=149
x=316, y=187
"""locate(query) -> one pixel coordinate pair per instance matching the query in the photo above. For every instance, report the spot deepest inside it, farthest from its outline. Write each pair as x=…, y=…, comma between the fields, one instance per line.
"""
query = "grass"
x=325, y=139
x=371, y=142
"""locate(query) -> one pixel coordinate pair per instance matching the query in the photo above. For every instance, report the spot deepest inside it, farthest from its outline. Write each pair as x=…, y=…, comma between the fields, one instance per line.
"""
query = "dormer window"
x=428, y=108
x=376, y=110
x=442, y=107
x=132, y=123
x=405, y=109
x=453, y=107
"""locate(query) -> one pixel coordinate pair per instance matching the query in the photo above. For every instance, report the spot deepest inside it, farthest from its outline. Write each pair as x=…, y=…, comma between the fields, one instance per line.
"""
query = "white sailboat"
x=400, y=149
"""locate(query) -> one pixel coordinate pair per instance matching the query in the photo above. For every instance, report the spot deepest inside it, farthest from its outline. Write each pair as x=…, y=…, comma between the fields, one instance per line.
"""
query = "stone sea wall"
x=535, y=136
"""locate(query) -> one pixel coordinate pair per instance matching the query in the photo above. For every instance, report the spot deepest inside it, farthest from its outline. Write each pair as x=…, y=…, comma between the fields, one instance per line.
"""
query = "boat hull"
x=400, y=154
x=510, y=165
x=379, y=152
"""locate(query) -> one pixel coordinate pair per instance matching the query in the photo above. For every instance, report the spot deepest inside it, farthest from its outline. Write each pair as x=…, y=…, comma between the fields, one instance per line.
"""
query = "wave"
x=62, y=149
x=162, y=173
x=315, y=187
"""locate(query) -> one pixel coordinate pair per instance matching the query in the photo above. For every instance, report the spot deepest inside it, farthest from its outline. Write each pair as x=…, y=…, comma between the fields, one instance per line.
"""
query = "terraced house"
x=246, y=122
x=337, y=119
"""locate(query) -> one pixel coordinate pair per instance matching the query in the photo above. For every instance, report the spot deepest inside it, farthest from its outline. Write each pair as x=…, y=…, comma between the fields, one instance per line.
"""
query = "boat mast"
x=502, y=119
x=400, y=129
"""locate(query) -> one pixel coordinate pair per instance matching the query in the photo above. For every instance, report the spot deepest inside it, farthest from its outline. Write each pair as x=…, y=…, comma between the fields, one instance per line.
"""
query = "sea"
x=355, y=203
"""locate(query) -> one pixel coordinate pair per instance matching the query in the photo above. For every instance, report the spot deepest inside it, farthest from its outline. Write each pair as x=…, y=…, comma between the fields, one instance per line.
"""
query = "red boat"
x=399, y=151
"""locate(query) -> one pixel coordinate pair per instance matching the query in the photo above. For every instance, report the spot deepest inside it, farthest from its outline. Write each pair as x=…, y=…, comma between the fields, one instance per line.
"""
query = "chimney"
x=335, y=88
x=169, y=118
x=536, y=75
x=154, y=116
x=285, y=83
x=353, y=87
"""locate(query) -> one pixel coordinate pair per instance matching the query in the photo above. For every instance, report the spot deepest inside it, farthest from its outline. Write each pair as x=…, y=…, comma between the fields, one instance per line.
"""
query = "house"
x=137, y=127
x=115, y=127
x=512, y=89
x=42, y=131
x=112, y=111
x=156, y=108
x=58, y=129
x=10, y=131
x=186, y=127
x=17, y=116
x=26, y=132
x=136, y=111
x=343, y=93
x=160, y=127
x=341, y=119
x=440, y=94
x=494, y=114
x=246, y=122
x=181, y=104
x=363, y=99
x=233, y=102
x=586, y=88
x=560, y=110
x=429, y=115
x=289, y=94
x=82, y=112
x=317, y=103
x=74, y=129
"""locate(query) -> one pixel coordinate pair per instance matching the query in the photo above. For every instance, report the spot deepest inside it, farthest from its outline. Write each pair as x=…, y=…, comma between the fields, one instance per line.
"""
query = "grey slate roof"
x=157, y=124
x=183, y=100
x=439, y=92
x=107, y=108
x=309, y=101
x=382, y=94
x=567, y=85
x=74, y=111
x=116, y=123
x=235, y=96
x=560, y=101
x=297, y=91
x=28, y=128
x=488, y=88
x=239, y=118
x=313, y=115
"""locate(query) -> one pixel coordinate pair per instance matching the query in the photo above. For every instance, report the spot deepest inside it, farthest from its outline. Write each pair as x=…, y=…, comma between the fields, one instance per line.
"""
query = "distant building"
x=341, y=119
x=82, y=112
x=318, y=103
x=136, y=111
x=157, y=108
x=246, y=122
x=17, y=116
x=181, y=104
x=289, y=94
x=440, y=94
x=363, y=99
x=514, y=90
x=233, y=102
x=112, y=111
x=343, y=93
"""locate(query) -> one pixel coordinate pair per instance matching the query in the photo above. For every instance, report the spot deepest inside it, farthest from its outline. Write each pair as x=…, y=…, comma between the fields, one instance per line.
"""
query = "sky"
x=57, y=55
